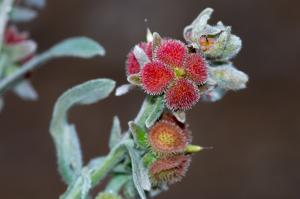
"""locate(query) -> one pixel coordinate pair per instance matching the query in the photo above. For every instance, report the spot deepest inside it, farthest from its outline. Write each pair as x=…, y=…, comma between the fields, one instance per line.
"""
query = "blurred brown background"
x=255, y=133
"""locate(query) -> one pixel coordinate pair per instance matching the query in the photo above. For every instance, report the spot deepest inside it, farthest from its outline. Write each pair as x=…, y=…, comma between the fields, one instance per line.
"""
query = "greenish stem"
x=112, y=159
x=6, y=6
x=16, y=77
x=117, y=182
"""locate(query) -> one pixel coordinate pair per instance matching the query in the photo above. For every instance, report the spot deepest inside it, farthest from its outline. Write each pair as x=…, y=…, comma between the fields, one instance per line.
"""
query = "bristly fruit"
x=169, y=170
x=172, y=69
x=167, y=138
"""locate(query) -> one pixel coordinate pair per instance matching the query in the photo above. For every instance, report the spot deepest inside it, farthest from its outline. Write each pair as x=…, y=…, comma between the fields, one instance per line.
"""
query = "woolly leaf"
x=77, y=47
x=86, y=183
x=21, y=50
x=180, y=116
x=233, y=47
x=228, y=77
x=140, y=56
x=22, y=14
x=130, y=191
x=158, y=108
x=25, y=90
x=115, y=134
x=124, y=89
x=138, y=178
x=36, y=3
x=64, y=134
x=139, y=135
x=117, y=182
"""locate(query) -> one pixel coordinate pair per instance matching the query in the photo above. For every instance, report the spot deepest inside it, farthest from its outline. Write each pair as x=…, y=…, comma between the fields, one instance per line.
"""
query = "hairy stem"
x=111, y=160
x=6, y=6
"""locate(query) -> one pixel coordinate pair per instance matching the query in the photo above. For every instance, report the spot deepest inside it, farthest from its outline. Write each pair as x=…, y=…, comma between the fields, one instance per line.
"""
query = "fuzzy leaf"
x=130, y=191
x=115, y=134
x=22, y=14
x=36, y=3
x=20, y=51
x=138, y=176
x=140, y=56
x=158, y=108
x=77, y=47
x=124, y=89
x=64, y=134
x=232, y=48
x=26, y=91
x=117, y=182
x=149, y=35
x=194, y=31
x=228, y=77
x=139, y=135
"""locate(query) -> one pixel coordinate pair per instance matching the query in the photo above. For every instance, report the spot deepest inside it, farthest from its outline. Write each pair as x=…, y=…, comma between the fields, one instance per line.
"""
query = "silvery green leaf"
x=180, y=116
x=21, y=50
x=194, y=31
x=233, y=47
x=130, y=191
x=214, y=95
x=22, y=14
x=140, y=56
x=77, y=47
x=138, y=178
x=146, y=184
x=123, y=89
x=36, y=3
x=139, y=135
x=26, y=91
x=228, y=77
x=3, y=64
x=117, y=182
x=216, y=51
x=115, y=134
x=108, y=195
x=1, y=103
x=64, y=134
x=157, y=109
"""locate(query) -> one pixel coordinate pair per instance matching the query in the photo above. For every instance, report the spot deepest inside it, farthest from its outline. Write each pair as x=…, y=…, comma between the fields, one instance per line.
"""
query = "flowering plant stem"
x=111, y=160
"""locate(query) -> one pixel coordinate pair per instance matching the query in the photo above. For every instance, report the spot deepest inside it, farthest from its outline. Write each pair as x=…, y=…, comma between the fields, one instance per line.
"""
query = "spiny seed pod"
x=169, y=170
x=108, y=195
x=172, y=52
x=167, y=138
x=182, y=95
x=155, y=77
x=175, y=73
x=132, y=65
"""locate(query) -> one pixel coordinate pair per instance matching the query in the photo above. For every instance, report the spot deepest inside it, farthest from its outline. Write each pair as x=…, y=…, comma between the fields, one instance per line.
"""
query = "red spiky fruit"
x=169, y=170
x=155, y=77
x=182, y=95
x=172, y=52
x=166, y=138
x=196, y=68
x=132, y=65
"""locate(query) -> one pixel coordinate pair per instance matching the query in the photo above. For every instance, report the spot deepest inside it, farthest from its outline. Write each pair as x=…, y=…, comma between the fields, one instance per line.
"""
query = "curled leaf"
x=64, y=134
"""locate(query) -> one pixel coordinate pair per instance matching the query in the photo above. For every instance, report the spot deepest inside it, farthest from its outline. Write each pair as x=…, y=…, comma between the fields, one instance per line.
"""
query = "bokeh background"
x=255, y=132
